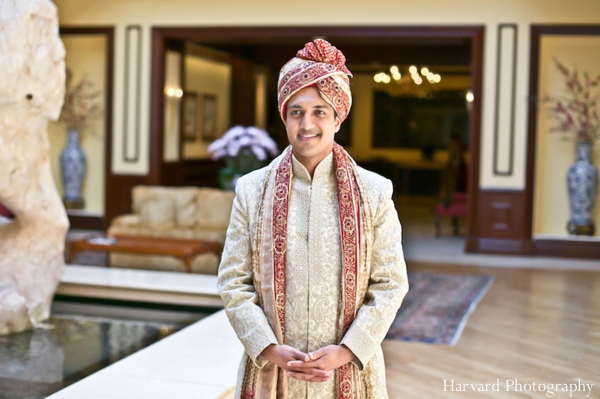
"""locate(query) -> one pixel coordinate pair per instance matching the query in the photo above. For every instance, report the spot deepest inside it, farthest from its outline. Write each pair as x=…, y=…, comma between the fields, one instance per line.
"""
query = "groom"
x=313, y=273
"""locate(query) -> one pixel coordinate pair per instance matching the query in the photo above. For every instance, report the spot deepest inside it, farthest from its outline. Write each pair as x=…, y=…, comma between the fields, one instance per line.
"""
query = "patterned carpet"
x=437, y=306
x=88, y=258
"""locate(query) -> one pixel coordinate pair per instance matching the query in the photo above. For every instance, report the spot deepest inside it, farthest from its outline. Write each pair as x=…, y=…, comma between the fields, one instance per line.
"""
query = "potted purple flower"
x=244, y=149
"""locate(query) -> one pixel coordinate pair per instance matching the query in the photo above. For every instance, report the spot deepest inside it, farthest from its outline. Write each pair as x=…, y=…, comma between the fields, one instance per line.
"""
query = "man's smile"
x=307, y=135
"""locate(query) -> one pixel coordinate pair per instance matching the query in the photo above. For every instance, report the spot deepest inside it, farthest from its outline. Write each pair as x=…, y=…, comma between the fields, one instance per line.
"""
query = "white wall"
x=489, y=13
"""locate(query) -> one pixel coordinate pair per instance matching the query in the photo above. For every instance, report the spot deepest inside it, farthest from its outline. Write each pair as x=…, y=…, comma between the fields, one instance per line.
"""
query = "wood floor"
x=532, y=326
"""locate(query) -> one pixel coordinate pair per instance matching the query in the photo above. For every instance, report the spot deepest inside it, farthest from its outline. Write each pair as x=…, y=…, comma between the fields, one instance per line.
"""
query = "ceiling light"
x=382, y=77
x=173, y=92
x=470, y=97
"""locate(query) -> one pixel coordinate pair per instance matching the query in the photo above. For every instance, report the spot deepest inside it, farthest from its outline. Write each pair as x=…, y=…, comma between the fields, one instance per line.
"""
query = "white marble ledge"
x=135, y=279
x=200, y=361
x=140, y=285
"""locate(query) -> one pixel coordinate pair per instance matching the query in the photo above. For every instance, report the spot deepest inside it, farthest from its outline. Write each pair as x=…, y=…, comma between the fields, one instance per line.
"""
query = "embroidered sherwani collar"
x=323, y=170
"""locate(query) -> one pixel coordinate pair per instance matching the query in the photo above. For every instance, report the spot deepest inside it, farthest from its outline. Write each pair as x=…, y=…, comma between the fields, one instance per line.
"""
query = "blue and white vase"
x=582, y=181
x=72, y=170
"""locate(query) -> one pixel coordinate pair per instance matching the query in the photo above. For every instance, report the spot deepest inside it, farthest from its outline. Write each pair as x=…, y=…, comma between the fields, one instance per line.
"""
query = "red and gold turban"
x=323, y=66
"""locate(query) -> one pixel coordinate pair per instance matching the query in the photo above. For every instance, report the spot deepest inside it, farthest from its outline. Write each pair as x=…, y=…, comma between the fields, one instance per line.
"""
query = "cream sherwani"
x=313, y=268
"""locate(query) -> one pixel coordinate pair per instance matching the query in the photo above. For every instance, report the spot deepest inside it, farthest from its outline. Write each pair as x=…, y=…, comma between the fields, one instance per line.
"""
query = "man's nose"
x=307, y=121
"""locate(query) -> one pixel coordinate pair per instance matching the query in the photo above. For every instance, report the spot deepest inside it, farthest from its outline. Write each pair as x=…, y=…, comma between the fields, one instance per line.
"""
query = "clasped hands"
x=314, y=366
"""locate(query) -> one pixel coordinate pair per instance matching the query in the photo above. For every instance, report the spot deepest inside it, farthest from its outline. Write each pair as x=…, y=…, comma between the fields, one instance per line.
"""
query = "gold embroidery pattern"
x=300, y=74
x=280, y=215
x=249, y=382
x=349, y=211
x=335, y=92
x=318, y=64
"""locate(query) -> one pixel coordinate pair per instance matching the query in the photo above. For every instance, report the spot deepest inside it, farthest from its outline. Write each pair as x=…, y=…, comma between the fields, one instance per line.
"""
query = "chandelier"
x=411, y=82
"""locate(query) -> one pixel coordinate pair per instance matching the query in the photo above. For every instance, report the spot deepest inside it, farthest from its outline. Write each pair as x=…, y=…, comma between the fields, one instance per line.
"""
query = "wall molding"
x=567, y=248
x=498, y=246
x=505, y=78
x=132, y=94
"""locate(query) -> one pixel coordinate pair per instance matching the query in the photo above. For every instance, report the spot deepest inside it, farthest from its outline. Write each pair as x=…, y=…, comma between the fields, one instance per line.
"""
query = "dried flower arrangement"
x=81, y=103
x=576, y=112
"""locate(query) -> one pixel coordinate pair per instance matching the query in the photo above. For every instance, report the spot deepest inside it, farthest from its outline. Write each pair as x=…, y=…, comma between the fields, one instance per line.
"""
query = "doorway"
x=367, y=49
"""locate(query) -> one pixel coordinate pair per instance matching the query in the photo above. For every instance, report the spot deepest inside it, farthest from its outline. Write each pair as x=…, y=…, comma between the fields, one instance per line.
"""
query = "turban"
x=323, y=66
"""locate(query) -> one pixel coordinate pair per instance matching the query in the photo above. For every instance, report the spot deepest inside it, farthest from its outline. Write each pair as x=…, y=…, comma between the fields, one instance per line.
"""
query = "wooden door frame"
x=562, y=248
x=94, y=222
x=362, y=34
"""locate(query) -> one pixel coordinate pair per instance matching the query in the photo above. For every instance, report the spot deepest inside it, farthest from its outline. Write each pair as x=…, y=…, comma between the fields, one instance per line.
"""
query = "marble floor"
x=206, y=367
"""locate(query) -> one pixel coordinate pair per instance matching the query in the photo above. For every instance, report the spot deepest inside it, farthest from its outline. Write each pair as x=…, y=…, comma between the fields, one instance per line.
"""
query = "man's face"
x=311, y=126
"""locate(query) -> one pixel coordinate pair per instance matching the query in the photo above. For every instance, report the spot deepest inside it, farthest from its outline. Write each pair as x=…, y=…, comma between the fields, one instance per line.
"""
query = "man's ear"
x=338, y=124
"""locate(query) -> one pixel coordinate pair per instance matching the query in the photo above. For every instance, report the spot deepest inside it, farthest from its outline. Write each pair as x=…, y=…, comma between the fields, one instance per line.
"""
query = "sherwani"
x=313, y=273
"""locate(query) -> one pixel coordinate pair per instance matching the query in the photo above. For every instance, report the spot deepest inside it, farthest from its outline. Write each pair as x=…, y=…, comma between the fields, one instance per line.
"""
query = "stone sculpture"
x=32, y=80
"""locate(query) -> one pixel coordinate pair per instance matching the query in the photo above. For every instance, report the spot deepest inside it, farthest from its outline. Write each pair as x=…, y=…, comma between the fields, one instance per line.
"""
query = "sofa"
x=174, y=212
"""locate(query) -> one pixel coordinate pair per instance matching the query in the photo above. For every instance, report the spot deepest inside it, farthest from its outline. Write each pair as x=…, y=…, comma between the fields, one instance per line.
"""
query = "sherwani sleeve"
x=388, y=283
x=235, y=285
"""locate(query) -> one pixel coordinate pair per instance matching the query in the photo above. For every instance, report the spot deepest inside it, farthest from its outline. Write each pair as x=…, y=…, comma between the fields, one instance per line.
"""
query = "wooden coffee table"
x=184, y=249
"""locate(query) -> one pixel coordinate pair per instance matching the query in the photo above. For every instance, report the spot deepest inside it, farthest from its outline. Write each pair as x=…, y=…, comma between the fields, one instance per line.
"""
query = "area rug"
x=437, y=306
x=90, y=258
x=87, y=258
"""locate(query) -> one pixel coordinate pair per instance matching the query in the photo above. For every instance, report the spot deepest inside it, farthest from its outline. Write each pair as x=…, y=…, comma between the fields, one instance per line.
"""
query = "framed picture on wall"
x=209, y=118
x=189, y=123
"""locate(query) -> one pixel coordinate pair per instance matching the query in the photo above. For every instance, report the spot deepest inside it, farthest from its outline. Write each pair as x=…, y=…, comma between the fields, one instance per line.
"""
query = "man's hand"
x=284, y=355
x=325, y=359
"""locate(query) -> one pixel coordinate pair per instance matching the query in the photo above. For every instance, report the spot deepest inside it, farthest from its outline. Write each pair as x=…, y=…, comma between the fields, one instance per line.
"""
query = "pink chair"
x=456, y=209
